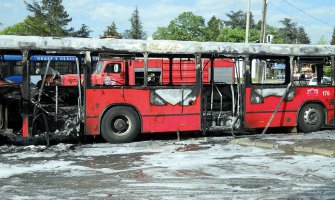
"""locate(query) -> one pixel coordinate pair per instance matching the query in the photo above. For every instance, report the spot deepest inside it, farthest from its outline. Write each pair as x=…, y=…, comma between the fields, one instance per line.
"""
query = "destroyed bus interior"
x=222, y=93
x=50, y=105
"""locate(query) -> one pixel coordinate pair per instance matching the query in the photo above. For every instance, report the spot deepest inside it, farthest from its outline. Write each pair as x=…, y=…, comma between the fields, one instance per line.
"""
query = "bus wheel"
x=311, y=118
x=120, y=125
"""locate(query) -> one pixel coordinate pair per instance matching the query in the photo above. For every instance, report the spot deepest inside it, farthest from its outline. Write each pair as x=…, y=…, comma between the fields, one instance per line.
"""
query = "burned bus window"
x=113, y=68
x=314, y=71
x=154, y=71
x=223, y=70
x=163, y=71
x=267, y=70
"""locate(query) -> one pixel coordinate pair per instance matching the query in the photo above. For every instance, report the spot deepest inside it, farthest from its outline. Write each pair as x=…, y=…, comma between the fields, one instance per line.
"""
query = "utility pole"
x=262, y=37
x=247, y=27
x=261, y=67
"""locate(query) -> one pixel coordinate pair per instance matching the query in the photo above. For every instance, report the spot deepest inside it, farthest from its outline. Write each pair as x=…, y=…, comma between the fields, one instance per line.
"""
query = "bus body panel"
x=258, y=114
x=155, y=118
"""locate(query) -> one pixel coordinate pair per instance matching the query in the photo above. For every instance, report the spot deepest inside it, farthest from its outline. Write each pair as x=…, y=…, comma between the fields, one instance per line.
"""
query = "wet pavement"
x=194, y=168
x=318, y=143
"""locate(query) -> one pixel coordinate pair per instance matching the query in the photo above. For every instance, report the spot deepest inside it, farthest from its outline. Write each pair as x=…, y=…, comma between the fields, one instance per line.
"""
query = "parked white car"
x=325, y=80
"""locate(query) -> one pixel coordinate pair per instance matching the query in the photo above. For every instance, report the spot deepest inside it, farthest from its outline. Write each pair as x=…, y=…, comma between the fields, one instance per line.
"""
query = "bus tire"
x=120, y=124
x=311, y=118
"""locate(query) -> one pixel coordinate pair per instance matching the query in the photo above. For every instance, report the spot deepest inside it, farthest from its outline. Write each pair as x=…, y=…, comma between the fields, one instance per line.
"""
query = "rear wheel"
x=311, y=118
x=120, y=125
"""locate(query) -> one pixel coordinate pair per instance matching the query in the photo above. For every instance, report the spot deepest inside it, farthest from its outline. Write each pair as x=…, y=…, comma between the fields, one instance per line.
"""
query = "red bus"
x=190, y=93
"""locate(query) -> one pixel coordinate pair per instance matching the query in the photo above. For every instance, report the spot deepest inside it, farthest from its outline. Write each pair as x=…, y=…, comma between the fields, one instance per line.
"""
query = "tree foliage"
x=83, y=32
x=288, y=31
x=322, y=40
x=20, y=28
x=302, y=36
x=136, y=30
x=214, y=27
x=190, y=27
x=277, y=36
x=332, y=42
x=186, y=26
x=48, y=18
x=236, y=35
x=112, y=31
x=238, y=20
x=292, y=34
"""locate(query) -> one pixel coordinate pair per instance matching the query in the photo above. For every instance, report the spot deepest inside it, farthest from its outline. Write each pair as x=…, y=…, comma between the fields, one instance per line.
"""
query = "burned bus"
x=252, y=100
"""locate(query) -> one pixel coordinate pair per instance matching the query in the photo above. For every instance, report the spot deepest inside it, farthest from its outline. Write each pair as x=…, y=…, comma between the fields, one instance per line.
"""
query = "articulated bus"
x=262, y=94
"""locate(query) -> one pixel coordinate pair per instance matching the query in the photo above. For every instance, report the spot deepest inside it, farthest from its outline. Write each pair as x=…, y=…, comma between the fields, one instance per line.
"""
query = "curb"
x=289, y=148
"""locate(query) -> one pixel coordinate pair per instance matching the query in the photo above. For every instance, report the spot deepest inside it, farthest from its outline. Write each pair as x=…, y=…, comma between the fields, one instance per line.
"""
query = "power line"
x=317, y=19
x=283, y=11
x=292, y=17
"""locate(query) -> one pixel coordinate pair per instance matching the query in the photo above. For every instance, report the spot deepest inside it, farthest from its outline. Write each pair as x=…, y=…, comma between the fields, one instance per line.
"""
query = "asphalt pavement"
x=318, y=143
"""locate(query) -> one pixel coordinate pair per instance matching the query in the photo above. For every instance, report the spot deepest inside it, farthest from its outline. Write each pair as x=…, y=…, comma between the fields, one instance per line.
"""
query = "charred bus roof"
x=80, y=45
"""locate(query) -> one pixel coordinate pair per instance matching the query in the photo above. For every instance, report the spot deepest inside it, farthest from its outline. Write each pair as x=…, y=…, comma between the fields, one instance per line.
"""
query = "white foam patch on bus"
x=174, y=96
x=271, y=92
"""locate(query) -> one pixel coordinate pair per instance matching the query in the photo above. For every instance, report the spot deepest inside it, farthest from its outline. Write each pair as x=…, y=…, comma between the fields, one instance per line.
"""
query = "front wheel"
x=311, y=118
x=120, y=124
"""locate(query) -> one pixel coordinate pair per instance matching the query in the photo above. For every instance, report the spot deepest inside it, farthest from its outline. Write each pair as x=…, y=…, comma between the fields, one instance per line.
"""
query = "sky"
x=316, y=16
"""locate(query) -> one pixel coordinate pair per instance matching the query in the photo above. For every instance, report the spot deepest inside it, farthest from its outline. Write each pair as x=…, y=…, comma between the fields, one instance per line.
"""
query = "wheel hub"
x=120, y=124
x=311, y=116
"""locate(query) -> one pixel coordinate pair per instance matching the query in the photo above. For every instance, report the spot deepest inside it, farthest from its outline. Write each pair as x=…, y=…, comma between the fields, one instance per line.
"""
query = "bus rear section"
x=274, y=97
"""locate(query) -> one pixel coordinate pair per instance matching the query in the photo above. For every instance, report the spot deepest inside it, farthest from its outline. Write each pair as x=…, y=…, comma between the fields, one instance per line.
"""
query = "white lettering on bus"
x=326, y=93
x=312, y=91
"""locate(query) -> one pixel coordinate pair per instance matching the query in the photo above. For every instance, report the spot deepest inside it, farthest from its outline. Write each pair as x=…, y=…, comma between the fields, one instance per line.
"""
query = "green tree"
x=323, y=41
x=112, y=31
x=163, y=33
x=20, y=28
x=136, y=30
x=277, y=36
x=231, y=35
x=48, y=18
x=302, y=36
x=83, y=32
x=238, y=20
x=214, y=26
x=327, y=70
x=259, y=25
x=186, y=26
x=236, y=35
x=289, y=31
x=332, y=42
